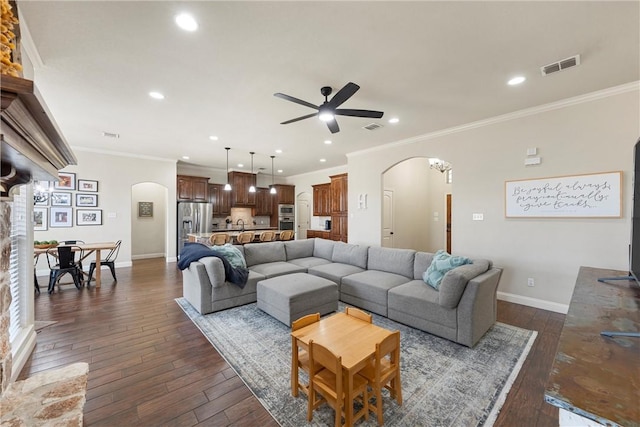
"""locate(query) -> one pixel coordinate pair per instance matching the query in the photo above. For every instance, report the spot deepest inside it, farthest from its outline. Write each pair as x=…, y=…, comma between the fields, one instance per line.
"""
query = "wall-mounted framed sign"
x=145, y=209
x=595, y=195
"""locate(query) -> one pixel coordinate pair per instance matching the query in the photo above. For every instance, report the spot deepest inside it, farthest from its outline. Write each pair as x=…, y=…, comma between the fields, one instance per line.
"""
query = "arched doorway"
x=414, y=213
x=148, y=220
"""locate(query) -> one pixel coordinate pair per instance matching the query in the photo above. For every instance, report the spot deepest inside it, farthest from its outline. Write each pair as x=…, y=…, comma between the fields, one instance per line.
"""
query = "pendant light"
x=273, y=188
x=227, y=186
x=252, y=188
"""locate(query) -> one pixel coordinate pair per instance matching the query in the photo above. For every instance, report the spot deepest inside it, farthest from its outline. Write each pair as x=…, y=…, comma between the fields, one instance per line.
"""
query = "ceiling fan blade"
x=299, y=118
x=358, y=113
x=296, y=100
x=333, y=126
x=343, y=94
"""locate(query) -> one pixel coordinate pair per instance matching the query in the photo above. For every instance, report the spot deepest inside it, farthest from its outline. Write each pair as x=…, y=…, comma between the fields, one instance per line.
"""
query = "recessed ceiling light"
x=279, y=170
x=516, y=80
x=279, y=151
x=240, y=165
x=328, y=142
x=213, y=138
x=394, y=120
x=186, y=22
x=185, y=157
x=323, y=160
x=156, y=95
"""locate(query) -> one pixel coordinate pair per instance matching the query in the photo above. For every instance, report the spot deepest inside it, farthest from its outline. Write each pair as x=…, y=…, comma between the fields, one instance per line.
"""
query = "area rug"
x=443, y=383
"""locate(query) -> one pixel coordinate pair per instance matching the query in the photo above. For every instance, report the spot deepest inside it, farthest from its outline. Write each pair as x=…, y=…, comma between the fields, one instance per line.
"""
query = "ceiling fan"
x=329, y=109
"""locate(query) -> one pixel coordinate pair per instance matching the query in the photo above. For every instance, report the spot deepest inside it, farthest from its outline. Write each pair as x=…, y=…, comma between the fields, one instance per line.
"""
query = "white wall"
x=593, y=133
x=116, y=175
x=148, y=234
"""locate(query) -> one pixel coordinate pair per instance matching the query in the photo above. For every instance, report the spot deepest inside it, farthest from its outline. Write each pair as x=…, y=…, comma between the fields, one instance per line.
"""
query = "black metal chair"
x=73, y=242
x=66, y=263
x=109, y=261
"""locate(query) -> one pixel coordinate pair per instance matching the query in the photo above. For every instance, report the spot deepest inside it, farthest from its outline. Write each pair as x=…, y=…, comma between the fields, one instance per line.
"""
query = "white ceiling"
x=434, y=65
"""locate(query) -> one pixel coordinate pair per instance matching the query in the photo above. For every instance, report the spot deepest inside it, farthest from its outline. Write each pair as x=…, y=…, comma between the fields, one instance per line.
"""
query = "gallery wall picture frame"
x=42, y=193
x=60, y=217
x=61, y=198
x=66, y=181
x=40, y=219
x=87, y=185
x=145, y=209
x=88, y=217
x=86, y=200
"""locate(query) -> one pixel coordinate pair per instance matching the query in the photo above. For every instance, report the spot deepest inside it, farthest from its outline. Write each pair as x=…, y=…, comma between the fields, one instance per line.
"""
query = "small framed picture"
x=86, y=200
x=61, y=198
x=41, y=193
x=66, y=181
x=87, y=185
x=40, y=219
x=60, y=217
x=88, y=216
x=145, y=209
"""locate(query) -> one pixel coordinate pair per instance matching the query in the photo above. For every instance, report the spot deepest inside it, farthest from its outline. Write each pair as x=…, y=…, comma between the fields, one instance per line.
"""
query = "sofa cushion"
x=334, y=271
x=421, y=263
x=398, y=261
x=309, y=262
x=232, y=254
x=455, y=282
x=298, y=248
x=323, y=248
x=278, y=268
x=261, y=253
x=372, y=285
x=347, y=253
x=442, y=263
x=420, y=301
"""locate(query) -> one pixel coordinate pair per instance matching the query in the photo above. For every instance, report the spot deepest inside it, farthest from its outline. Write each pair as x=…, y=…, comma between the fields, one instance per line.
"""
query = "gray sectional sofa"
x=380, y=280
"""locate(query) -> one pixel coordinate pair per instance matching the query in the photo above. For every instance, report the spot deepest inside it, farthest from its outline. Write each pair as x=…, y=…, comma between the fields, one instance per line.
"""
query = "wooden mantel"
x=32, y=147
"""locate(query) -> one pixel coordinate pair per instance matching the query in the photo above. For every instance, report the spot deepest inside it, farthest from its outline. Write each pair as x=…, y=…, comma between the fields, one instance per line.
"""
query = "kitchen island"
x=233, y=232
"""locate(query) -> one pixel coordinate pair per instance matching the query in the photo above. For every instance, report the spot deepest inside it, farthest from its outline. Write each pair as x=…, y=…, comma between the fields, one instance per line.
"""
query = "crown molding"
x=121, y=154
x=580, y=99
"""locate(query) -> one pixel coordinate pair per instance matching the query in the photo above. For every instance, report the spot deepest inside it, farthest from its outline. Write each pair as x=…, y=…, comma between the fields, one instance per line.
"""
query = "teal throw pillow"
x=232, y=254
x=442, y=262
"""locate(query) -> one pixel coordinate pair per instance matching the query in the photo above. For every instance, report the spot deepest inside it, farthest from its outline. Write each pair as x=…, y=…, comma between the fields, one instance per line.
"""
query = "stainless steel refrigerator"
x=193, y=217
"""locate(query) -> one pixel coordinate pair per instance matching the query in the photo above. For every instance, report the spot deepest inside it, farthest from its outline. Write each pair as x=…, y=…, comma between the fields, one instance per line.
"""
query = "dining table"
x=88, y=249
x=351, y=338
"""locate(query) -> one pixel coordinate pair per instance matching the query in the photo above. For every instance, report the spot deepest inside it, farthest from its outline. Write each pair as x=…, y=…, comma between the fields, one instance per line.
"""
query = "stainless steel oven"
x=285, y=223
x=285, y=211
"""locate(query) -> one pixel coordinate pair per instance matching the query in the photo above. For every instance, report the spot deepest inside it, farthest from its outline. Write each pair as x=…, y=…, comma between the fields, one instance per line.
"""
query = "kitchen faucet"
x=239, y=221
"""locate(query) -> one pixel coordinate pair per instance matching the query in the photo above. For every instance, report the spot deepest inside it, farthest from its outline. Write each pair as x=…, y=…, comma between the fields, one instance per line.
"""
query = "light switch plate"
x=478, y=217
x=532, y=161
x=532, y=151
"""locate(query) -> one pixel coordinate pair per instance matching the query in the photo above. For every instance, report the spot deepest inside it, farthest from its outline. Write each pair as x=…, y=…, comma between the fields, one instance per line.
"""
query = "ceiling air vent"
x=110, y=135
x=372, y=126
x=560, y=65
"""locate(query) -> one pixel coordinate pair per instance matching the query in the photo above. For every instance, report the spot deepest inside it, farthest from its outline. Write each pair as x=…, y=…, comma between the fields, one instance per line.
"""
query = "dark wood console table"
x=596, y=378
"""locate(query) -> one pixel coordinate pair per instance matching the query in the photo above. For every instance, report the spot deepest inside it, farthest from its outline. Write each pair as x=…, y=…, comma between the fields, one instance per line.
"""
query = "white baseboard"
x=534, y=302
x=147, y=256
x=172, y=259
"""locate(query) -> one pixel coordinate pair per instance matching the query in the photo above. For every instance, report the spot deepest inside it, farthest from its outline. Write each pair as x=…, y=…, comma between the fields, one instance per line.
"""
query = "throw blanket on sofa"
x=194, y=251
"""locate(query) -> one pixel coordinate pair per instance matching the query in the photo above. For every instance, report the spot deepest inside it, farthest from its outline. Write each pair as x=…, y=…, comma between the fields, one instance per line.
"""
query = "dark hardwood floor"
x=150, y=366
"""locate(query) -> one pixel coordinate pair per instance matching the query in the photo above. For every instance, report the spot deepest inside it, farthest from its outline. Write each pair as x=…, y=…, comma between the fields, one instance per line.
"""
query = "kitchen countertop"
x=232, y=232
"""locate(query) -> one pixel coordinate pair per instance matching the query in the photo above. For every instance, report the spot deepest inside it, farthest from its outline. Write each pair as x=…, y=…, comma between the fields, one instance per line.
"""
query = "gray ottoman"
x=292, y=296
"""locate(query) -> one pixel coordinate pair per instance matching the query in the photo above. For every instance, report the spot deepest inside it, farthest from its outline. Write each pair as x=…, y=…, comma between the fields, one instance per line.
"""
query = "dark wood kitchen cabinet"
x=264, y=202
x=240, y=183
x=322, y=200
x=339, y=207
x=220, y=199
x=285, y=194
x=192, y=188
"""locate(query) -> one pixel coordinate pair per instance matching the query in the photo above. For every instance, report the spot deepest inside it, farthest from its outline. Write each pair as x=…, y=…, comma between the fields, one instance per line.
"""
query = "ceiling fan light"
x=326, y=116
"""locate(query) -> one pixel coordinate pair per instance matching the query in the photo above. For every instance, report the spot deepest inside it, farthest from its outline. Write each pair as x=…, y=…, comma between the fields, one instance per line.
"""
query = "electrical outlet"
x=530, y=282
